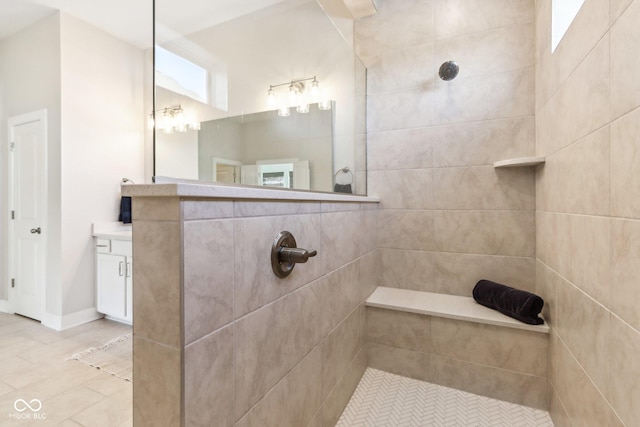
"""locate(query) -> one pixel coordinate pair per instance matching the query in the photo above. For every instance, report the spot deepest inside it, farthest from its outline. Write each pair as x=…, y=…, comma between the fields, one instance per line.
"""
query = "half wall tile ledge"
x=218, y=191
x=520, y=162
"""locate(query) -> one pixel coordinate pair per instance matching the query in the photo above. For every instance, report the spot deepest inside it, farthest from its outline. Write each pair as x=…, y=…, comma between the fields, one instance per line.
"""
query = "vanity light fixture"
x=301, y=94
x=171, y=119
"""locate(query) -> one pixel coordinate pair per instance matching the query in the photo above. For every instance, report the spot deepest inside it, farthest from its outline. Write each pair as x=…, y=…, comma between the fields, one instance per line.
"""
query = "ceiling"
x=128, y=20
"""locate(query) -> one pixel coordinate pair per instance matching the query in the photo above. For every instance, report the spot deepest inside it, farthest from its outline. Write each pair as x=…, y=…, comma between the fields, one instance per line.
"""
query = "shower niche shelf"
x=519, y=162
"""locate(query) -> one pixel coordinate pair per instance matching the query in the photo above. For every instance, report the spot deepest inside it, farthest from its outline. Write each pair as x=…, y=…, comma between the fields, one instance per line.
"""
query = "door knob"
x=36, y=230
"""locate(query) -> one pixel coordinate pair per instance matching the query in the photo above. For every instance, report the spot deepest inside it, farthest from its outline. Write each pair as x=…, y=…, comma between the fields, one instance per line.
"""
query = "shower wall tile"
x=458, y=17
x=402, y=149
x=625, y=270
x=379, y=33
x=575, y=389
x=625, y=82
x=399, y=329
x=403, y=189
x=340, y=347
x=617, y=7
x=528, y=390
x=401, y=69
x=339, y=396
x=584, y=326
x=582, y=101
x=402, y=109
x=208, y=373
x=482, y=143
x=556, y=410
x=575, y=179
x=488, y=52
x=208, y=276
x=625, y=370
x=405, y=229
x=293, y=401
x=270, y=341
x=261, y=209
x=197, y=210
x=547, y=284
x=155, y=364
x=511, y=349
x=482, y=187
x=496, y=96
x=485, y=232
x=625, y=170
x=340, y=207
x=255, y=284
x=400, y=361
x=156, y=209
x=346, y=236
x=406, y=269
x=158, y=277
x=457, y=274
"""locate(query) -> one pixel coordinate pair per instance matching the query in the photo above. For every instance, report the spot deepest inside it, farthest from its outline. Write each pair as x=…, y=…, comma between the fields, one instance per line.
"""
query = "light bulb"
x=271, y=99
x=284, y=111
x=325, y=104
x=315, y=90
x=293, y=94
x=303, y=108
x=179, y=122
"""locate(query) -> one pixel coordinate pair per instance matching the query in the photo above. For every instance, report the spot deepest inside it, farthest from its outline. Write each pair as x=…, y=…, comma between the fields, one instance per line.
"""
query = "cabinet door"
x=128, y=314
x=111, y=283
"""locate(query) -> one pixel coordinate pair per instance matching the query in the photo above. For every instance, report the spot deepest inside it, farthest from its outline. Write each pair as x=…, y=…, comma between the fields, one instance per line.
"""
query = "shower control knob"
x=285, y=254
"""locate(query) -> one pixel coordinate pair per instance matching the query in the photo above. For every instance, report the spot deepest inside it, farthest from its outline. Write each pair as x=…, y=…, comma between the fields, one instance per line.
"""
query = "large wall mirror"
x=259, y=92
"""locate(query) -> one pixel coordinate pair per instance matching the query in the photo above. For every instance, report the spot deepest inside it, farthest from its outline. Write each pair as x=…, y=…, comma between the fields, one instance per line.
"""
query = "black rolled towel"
x=342, y=188
x=521, y=305
x=125, y=210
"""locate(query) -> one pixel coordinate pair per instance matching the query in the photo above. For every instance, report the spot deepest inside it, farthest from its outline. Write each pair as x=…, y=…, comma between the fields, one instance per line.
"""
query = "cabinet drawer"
x=103, y=246
x=121, y=247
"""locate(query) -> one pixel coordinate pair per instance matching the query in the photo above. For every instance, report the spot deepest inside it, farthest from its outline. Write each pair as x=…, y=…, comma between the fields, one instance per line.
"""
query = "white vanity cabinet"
x=114, y=278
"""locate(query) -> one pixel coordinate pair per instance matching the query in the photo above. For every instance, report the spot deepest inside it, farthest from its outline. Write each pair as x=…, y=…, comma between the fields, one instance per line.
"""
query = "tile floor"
x=384, y=399
x=72, y=394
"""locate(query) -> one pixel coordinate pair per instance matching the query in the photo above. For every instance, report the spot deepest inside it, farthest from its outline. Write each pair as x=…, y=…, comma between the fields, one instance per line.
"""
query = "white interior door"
x=27, y=137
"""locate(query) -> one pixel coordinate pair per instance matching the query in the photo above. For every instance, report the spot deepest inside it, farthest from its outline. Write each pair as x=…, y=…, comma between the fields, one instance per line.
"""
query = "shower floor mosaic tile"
x=387, y=400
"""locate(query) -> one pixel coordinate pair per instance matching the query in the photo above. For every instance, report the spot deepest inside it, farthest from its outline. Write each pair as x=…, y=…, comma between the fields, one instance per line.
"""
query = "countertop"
x=112, y=230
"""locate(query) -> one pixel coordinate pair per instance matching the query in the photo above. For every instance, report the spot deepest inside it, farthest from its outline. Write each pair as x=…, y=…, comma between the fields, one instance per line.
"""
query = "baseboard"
x=60, y=323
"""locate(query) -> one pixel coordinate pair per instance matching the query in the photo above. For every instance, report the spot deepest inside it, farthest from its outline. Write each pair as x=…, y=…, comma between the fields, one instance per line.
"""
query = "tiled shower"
x=292, y=352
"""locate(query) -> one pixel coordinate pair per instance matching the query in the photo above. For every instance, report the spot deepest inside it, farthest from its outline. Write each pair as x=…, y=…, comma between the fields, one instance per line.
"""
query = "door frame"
x=13, y=122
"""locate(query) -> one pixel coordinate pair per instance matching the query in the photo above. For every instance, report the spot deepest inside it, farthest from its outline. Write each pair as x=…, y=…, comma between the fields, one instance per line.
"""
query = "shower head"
x=448, y=70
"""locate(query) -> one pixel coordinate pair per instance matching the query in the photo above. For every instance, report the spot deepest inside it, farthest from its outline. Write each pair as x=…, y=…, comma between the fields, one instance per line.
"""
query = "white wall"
x=31, y=75
x=3, y=186
x=102, y=142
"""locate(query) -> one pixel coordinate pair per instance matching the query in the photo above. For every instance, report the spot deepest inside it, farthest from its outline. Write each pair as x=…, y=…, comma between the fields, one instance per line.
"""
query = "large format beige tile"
x=625, y=370
x=583, y=325
x=157, y=277
x=457, y=17
x=157, y=370
x=346, y=236
x=505, y=348
x=400, y=361
x=156, y=208
x=482, y=143
x=402, y=149
x=339, y=396
x=402, y=109
x=208, y=380
x=340, y=347
x=399, y=329
x=482, y=187
x=270, y=341
x=492, y=51
x=457, y=274
x=510, y=386
x=255, y=284
x=625, y=270
x=208, y=277
x=485, y=232
x=293, y=401
x=379, y=33
x=402, y=189
x=576, y=178
x=557, y=412
x=584, y=404
x=495, y=96
x=400, y=69
x=547, y=283
x=406, y=229
x=625, y=166
x=625, y=81
x=109, y=412
x=406, y=269
x=617, y=7
x=262, y=208
x=203, y=209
